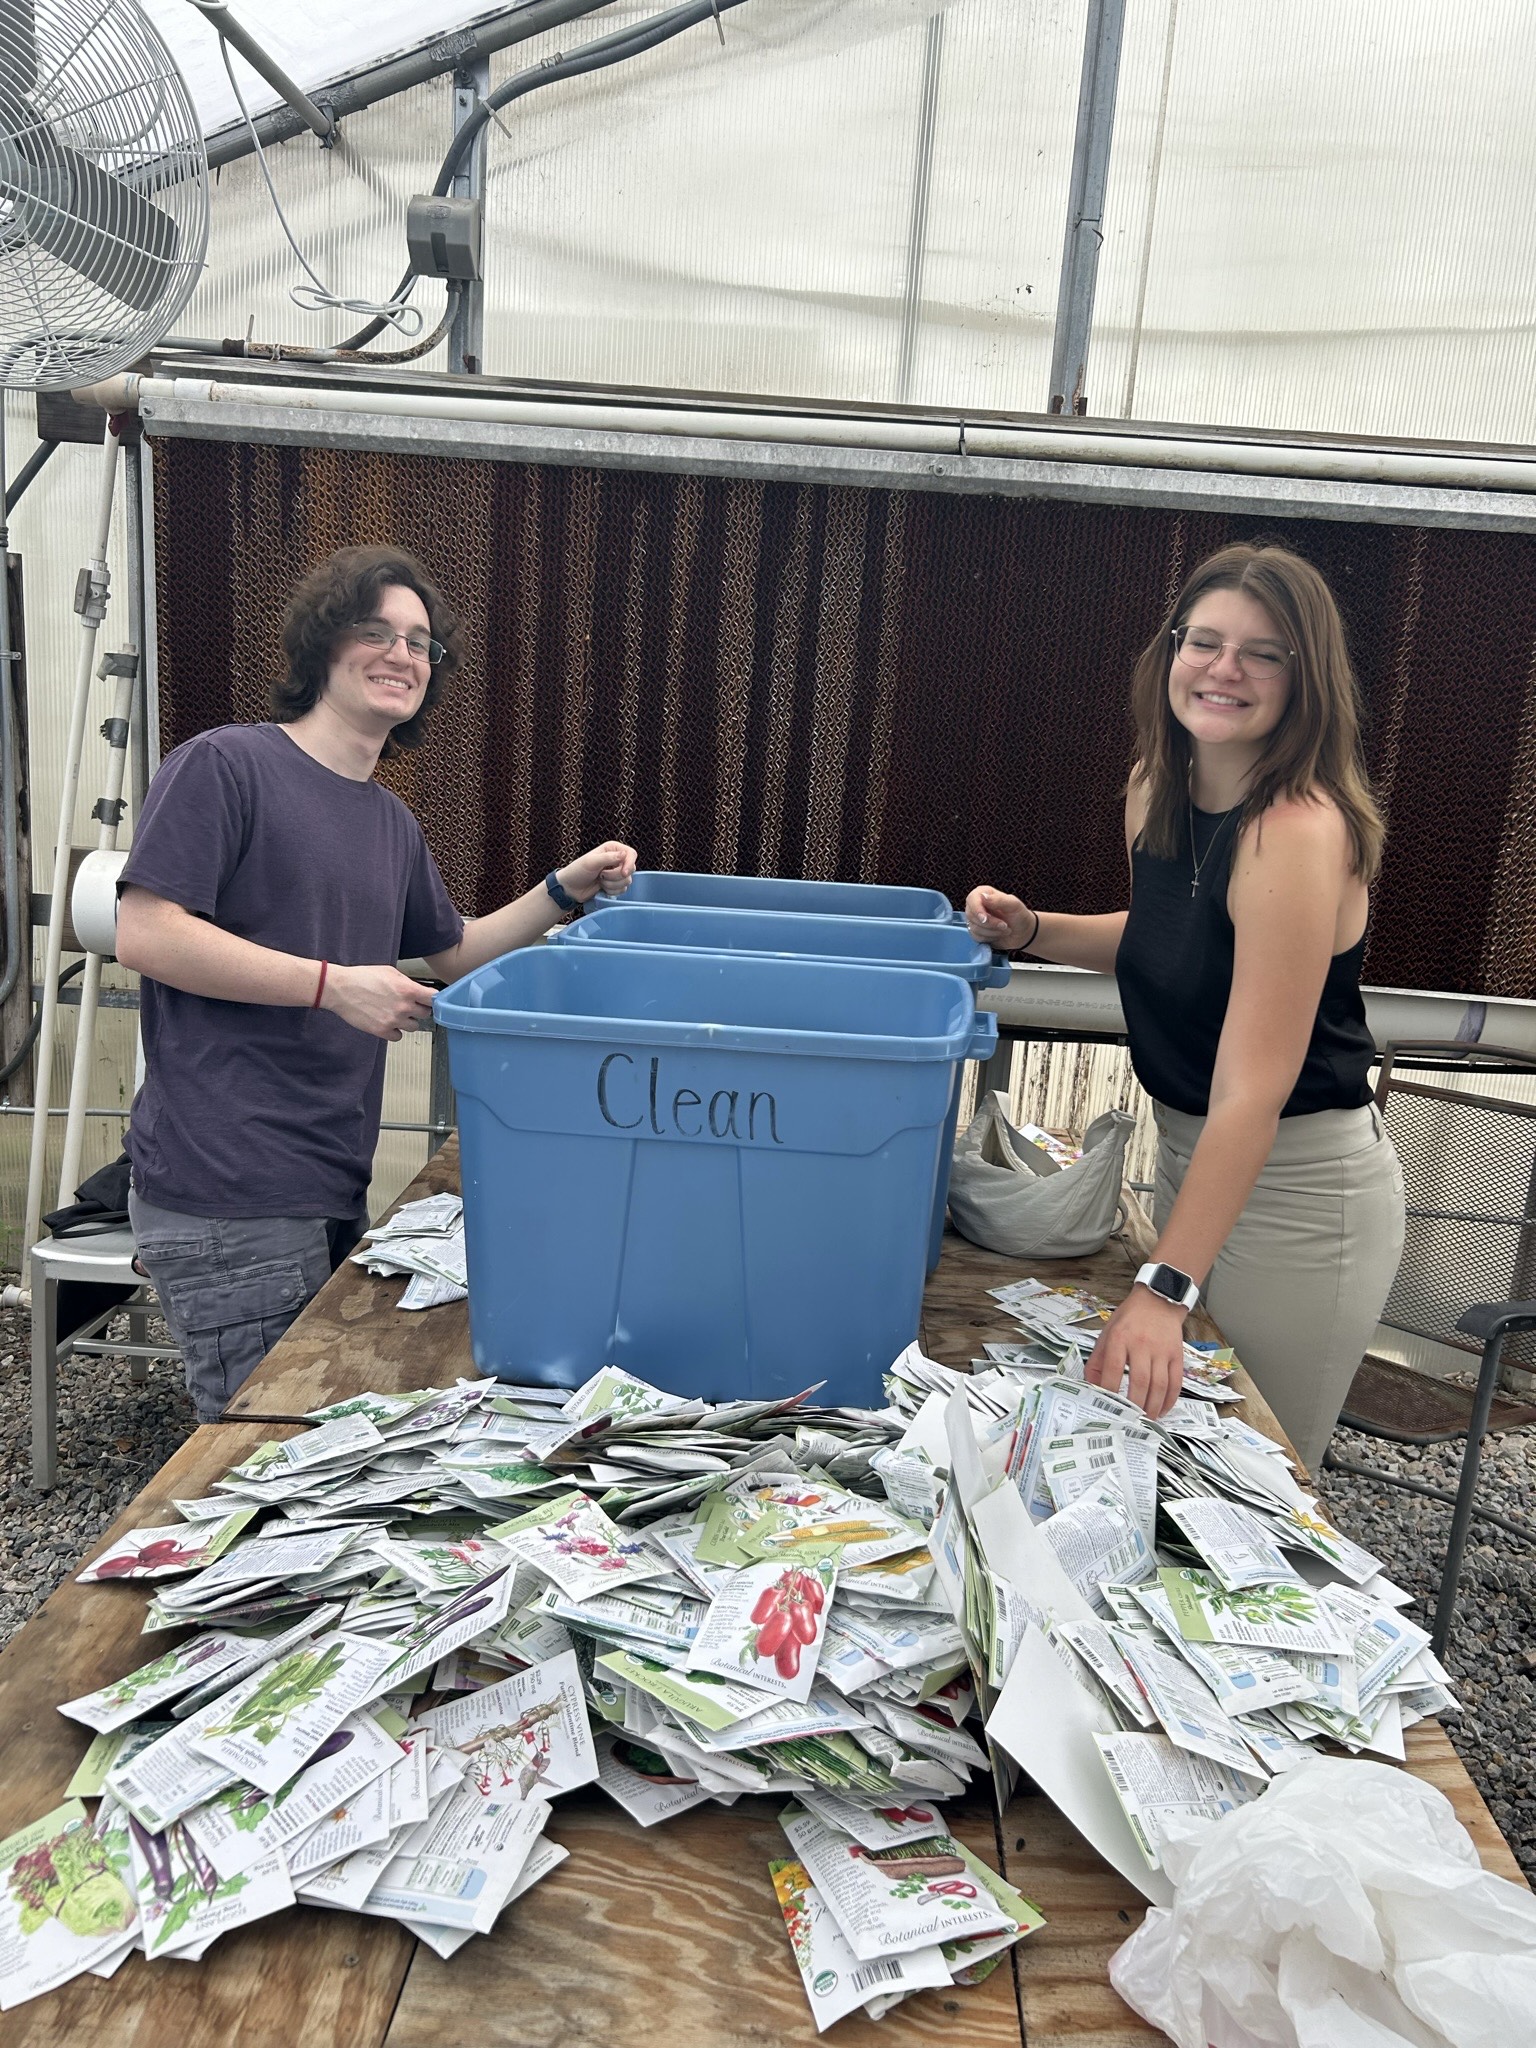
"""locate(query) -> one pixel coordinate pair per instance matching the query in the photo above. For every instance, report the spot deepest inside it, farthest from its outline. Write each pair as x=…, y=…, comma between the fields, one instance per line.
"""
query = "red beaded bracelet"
x=320, y=990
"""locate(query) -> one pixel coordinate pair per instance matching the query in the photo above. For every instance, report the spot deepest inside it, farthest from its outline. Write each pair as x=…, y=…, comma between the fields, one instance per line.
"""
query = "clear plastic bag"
x=1347, y=1908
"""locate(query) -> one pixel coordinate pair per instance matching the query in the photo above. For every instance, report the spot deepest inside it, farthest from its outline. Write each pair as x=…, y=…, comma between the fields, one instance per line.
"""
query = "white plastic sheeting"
x=1319, y=218
x=1322, y=217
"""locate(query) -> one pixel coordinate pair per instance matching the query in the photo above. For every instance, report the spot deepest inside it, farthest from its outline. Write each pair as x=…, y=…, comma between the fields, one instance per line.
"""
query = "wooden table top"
x=666, y=1936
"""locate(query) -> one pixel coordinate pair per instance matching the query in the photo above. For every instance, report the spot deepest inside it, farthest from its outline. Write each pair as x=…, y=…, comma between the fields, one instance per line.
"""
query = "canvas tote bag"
x=1010, y=1196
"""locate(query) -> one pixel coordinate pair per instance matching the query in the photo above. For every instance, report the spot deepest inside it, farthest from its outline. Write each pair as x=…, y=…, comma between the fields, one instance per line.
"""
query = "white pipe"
x=90, y=987
x=90, y=623
x=1043, y=997
x=957, y=438
x=130, y=391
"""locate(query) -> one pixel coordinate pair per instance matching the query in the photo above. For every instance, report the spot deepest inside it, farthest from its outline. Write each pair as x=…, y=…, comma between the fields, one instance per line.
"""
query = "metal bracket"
x=91, y=588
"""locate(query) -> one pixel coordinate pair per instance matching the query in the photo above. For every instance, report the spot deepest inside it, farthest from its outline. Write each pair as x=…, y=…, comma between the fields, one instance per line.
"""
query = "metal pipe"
x=917, y=225
x=1466, y=1486
x=466, y=336
x=1070, y=999
x=359, y=89
x=36, y=461
x=1085, y=206
x=1146, y=449
x=218, y=16
x=108, y=813
x=17, y=930
x=91, y=602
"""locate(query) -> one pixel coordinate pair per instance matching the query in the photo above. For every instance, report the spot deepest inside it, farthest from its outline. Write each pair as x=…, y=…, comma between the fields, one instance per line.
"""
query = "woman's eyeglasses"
x=1259, y=660
x=420, y=646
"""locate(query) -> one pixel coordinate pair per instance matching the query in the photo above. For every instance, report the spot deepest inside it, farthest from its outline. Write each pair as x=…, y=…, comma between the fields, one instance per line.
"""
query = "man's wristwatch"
x=1169, y=1284
x=562, y=899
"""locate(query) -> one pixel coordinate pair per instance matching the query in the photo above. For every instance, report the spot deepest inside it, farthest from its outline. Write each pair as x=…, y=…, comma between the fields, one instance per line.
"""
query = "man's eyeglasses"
x=1259, y=660
x=420, y=646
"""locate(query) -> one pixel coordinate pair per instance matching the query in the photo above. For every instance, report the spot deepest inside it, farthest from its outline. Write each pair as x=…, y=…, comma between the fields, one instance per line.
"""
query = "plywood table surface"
x=323, y=1980
x=669, y=1936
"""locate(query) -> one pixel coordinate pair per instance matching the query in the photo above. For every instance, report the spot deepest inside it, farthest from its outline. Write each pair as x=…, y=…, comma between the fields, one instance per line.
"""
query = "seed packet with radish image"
x=160, y=1553
x=766, y=1625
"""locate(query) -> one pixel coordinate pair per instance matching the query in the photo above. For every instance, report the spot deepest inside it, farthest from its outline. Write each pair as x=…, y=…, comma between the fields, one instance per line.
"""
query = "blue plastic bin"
x=769, y=892
x=714, y=1170
x=891, y=942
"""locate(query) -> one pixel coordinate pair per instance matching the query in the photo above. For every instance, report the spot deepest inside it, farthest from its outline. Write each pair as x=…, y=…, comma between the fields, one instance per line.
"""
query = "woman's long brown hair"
x=1316, y=746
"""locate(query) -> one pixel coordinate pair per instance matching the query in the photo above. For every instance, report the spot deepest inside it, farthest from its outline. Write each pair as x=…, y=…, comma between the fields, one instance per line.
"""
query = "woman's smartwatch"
x=1169, y=1284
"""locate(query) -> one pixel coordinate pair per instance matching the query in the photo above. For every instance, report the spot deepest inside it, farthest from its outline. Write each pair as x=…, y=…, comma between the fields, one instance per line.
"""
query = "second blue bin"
x=873, y=940
x=714, y=1170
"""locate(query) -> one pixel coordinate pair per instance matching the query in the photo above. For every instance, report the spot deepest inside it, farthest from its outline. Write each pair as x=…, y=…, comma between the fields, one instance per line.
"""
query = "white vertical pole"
x=91, y=604
x=123, y=668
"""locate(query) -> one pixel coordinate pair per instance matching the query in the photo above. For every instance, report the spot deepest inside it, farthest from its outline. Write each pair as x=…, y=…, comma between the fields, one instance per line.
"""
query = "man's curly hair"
x=337, y=595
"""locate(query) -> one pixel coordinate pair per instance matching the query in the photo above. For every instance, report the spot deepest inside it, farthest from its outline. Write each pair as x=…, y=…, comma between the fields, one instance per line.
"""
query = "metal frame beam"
x=1085, y=482
x=359, y=89
x=1085, y=206
x=466, y=335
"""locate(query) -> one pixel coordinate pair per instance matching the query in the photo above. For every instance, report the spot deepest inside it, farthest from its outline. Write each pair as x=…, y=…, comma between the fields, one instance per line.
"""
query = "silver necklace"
x=1197, y=865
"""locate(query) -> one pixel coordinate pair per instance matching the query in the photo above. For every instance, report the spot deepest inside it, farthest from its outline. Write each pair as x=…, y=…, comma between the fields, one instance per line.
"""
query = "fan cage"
x=103, y=191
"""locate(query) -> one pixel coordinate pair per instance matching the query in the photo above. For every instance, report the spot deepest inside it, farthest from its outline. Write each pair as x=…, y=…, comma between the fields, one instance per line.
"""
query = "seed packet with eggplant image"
x=183, y=1902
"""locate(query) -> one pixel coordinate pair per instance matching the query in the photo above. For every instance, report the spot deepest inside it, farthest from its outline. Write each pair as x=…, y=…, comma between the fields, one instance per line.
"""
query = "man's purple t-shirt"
x=248, y=1109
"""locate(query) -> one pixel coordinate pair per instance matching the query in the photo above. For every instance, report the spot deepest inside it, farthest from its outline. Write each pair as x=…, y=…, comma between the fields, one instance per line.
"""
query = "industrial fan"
x=103, y=190
x=103, y=223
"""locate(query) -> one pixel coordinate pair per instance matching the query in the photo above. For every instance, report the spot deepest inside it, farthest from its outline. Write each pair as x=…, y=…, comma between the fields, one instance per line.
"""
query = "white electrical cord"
x=317, y=297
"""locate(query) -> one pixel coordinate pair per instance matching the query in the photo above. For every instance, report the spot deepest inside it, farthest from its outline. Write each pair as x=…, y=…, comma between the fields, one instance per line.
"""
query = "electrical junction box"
x=443, y=236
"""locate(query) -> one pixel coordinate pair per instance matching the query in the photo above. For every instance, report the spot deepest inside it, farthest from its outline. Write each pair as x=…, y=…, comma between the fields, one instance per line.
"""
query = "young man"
x=271, y=888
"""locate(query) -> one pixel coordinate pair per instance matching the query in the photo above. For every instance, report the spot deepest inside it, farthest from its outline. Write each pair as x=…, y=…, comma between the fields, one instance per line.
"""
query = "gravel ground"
x=1492, y=1653
x=114, y=1436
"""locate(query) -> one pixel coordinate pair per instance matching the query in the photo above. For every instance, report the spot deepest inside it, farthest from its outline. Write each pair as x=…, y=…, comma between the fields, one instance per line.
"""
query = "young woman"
x=1253, y=840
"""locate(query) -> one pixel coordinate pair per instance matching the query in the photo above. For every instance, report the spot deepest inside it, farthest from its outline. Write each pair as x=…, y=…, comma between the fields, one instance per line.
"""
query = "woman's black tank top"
x=1174, y=968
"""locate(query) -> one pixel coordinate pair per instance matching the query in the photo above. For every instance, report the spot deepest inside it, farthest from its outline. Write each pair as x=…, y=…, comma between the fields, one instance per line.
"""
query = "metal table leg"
x=45, y=1378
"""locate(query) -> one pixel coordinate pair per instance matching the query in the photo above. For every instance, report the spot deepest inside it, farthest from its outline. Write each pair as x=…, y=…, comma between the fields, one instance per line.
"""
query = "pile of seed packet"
x=426, y=1240
x=421, y=1621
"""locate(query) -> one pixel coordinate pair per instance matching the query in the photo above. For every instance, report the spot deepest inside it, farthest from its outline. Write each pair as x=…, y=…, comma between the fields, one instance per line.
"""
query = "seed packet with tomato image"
x=160, y=1553
x=766, y=1625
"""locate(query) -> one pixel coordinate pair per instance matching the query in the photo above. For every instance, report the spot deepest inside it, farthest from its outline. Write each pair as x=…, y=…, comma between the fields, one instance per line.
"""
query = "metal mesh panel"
x=870, y=685
x=1469, y=1159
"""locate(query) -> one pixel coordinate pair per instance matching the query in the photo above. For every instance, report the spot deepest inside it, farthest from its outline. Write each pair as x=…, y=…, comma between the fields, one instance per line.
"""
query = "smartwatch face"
x=1168, y=1282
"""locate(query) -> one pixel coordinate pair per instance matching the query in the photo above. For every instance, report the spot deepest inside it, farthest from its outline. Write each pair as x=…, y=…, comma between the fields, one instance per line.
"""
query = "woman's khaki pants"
x=1301, y=1281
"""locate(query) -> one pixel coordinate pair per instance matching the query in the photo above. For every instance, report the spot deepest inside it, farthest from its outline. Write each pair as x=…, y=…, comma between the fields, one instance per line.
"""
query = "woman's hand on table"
x=995, y=919
x=1143, y=1339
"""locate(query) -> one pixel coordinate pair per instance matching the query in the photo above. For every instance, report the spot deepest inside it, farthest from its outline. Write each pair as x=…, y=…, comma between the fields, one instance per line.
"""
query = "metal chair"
x=1490, y=1323
x=104, y=1258
x=1469, y=1167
